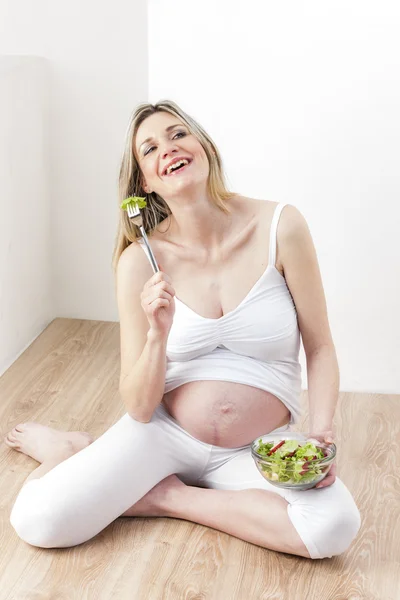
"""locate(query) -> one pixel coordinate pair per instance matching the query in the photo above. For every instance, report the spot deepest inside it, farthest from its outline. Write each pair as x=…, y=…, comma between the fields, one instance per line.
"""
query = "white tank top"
x=255, y=344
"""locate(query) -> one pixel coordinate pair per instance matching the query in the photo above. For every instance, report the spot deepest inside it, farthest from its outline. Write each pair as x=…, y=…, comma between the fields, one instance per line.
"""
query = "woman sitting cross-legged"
x=209, y=362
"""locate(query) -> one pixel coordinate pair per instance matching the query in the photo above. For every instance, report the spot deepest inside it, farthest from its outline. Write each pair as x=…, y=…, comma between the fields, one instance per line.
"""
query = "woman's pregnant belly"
x=225, y=414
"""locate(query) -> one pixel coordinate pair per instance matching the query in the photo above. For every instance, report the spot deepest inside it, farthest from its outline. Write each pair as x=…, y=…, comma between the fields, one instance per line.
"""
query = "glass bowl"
x=312, y=472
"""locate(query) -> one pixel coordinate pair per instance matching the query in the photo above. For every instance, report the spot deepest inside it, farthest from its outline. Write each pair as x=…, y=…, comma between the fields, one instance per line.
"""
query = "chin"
x=189, y=185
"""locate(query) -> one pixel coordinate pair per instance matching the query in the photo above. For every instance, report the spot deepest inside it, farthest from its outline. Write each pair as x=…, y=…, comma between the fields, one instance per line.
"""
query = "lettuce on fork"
x=135, y=201
x=289, y=461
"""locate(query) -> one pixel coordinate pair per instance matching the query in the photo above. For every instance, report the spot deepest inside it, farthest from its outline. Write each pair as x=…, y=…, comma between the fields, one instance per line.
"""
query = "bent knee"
x=339, y=531
x=37, y=521
x=40, y=528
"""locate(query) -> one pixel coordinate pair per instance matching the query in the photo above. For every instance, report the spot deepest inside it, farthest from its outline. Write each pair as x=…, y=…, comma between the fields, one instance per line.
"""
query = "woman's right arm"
x=146, y=308
x=143, y=388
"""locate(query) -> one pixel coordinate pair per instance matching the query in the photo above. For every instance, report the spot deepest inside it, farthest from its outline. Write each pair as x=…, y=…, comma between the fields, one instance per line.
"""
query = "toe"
x=20, y=427
x=11, y=442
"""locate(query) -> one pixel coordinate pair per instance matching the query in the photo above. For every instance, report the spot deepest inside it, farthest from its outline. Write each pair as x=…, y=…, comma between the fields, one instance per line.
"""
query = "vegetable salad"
x=290, y=462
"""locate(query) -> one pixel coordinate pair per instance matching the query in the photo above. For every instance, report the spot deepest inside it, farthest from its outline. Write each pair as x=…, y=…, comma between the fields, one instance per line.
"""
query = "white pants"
x=82, y=495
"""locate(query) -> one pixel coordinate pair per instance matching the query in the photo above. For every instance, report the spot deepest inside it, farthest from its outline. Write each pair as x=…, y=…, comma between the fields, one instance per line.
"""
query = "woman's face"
x=160, y=141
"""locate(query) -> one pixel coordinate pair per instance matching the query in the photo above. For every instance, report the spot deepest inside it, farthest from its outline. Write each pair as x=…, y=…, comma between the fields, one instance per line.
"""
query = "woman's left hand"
x=327, y=437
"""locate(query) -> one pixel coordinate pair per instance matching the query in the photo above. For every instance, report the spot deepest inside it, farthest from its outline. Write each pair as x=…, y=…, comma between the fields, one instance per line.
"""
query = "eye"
x=180, y=133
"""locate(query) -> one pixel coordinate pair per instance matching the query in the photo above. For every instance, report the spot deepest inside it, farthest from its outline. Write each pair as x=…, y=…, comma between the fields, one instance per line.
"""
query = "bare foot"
x=155, y=503
x=41, y=442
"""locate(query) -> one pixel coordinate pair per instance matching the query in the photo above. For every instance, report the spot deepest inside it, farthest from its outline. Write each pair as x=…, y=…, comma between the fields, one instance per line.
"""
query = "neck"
x=197, y=223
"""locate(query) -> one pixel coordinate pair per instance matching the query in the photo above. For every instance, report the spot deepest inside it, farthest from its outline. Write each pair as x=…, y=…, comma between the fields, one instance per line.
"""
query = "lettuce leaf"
x=135, y=201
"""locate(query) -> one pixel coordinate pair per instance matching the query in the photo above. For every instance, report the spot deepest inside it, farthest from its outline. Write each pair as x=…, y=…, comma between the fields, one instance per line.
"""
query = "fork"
x=136, y=218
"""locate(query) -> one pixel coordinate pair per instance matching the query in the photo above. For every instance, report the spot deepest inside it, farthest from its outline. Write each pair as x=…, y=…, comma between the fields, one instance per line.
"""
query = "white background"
x=301, y=98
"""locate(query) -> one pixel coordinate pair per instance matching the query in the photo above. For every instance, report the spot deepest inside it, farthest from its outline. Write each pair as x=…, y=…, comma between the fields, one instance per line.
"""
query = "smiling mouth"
x=178, y=170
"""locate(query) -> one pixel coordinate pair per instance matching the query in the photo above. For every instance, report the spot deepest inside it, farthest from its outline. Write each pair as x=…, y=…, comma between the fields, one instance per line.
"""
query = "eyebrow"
x=167, y=130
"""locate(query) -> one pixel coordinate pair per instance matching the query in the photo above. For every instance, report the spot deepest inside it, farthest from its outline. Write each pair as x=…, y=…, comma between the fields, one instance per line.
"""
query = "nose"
x=169, y=148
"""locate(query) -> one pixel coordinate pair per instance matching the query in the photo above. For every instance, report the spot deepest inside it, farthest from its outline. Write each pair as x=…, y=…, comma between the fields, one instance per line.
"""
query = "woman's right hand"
x=157, y=299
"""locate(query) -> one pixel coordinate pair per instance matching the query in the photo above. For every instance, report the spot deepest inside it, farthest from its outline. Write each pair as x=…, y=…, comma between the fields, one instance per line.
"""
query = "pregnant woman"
x=209, y=362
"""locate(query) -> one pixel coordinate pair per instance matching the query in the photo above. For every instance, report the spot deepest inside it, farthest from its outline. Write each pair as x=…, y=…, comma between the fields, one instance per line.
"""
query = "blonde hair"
x=130, y=183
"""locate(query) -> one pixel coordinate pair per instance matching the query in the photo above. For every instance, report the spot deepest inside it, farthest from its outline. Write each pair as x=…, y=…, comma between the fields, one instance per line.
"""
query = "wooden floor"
x=68, y=379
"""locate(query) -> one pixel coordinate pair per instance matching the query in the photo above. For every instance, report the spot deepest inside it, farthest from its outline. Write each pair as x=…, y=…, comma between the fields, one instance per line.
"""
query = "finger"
x=156, y=278
x=163, y=294
x=164, y=285
x=320, y=486
x=326, y=482
x=332, y=470
x=160, y=294
x=329, y=479
x=164, y=276
x=158, y=303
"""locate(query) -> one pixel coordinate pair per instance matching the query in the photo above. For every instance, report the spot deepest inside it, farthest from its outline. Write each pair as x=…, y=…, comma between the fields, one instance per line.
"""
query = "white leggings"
x=82, y=495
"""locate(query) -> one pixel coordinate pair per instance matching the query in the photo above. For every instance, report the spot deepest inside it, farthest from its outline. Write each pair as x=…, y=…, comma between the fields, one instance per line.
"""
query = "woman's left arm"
x=301, y=269
x=323, y=388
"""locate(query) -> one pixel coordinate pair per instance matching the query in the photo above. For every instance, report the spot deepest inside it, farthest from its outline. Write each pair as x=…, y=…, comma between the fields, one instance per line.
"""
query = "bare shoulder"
x=290, y=216
x=291, y=223
x=134, y=259
x=133, y=270
x=291, y=220
x=291, y=233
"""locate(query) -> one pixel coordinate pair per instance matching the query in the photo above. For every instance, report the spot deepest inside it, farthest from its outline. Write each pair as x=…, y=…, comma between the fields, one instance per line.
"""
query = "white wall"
x=26, y=294
x=320, y=84
x=99, y=56
x=303, y=101
x=97, y=69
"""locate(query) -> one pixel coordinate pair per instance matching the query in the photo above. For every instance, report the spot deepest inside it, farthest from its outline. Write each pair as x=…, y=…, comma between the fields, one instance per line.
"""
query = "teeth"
x=180, y=162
